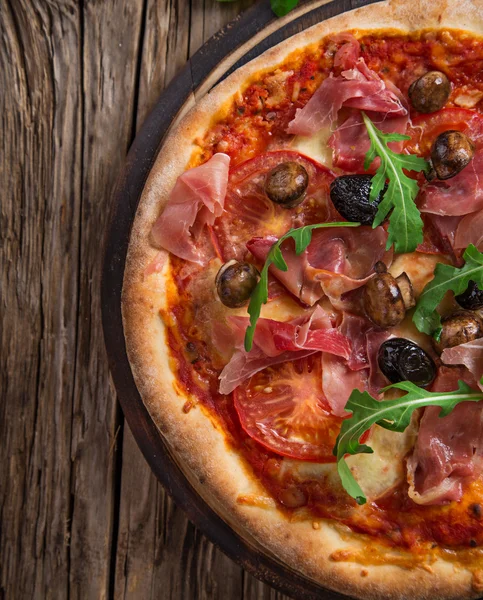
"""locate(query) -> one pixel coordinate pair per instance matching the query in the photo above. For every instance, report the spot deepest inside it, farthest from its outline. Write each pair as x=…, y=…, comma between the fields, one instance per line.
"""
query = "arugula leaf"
x=283, y=7
x=394, y=415
x=405, y=223
x=426, y=317
x=302, y=237
x=279, y=7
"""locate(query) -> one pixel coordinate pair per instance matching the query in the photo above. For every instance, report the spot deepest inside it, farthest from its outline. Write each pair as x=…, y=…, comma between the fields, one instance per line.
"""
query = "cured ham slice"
x=196, y=200
x=276, y=342
x=339, y=380
x=470, y=231
x=355, y=328
x=350, y=142
x=439, y=234
x=470, y=355
x=448, y=450
x=447, y=453
x=460, y=195
x=356, y=87
x=336, y=261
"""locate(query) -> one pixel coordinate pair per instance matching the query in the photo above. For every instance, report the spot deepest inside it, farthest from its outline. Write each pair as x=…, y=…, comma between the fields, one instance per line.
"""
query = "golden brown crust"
x=197, y=444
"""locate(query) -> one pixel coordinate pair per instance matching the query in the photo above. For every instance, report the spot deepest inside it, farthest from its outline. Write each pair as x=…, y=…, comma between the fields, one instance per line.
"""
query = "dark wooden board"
x=201, y=71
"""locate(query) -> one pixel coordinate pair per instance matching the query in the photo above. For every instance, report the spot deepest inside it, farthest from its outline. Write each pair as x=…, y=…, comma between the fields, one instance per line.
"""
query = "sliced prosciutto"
x=356, y=87
x=196, y=200
x=470, y=355
x=447, y=453
x=470, y=231
x=276, y=342
x=350, y=141
x=460, y=195
x=336, y=261
x=339, y=380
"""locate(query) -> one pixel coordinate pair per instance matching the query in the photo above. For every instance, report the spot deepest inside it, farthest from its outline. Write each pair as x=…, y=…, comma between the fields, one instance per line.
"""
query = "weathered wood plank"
x=111, y=39
x=68, y=79
x=40, y=174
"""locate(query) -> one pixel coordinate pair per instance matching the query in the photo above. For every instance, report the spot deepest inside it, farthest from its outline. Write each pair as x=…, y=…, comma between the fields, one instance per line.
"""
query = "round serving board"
x=249, y=35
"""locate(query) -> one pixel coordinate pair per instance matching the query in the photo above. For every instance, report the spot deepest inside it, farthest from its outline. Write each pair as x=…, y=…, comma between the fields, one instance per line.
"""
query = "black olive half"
x=450, y=153
x=403, y=360
x=286, y=184
x=471, y=298
x=235, y=283
x=459, y=328
x=350, y=196
x=430, y=92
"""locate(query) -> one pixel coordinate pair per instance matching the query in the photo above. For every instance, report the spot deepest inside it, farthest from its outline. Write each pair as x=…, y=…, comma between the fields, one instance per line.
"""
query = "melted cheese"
x=376, y=473
x=315, y=146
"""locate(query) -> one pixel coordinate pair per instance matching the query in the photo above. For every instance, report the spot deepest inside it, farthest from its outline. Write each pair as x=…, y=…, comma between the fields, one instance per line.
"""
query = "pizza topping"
x=405, y=223
x=275, y=342
x=430, y=92
x=196, y=200
x=350, y=196
x=459, y=328
x=286, y=184
x=403, y=360
x=338, y=381
x=460, y=195
x=249, y=212
x=235, y=282
x=446, y=278
x=356, y=87
x=451, y=153
x=469, y=354
x=386, y=299
x=313, y=330
x=274, y=256
x=394, y=415
x=471, y=298
x=284, y=409
x=336, y=261
x=469, y=230
x=445, y=452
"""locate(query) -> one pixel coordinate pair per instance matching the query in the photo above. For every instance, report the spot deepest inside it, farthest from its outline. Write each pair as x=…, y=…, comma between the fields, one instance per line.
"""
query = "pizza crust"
x=196, y=441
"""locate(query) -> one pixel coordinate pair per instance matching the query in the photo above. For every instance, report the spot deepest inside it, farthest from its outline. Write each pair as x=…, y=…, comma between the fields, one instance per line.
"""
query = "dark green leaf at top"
x=405, y=223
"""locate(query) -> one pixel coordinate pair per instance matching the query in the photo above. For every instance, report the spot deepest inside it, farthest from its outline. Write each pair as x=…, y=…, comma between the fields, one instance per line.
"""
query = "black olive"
x=350, y=196
x=471, y=298
x=286, y=184
x=403, y=360
x=235, y=283
x=450, y=154
x=430, y=92
x=459, y=328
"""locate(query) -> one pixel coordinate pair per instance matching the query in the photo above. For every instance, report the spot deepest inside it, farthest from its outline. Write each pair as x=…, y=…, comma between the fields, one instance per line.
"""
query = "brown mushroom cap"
x=450, y=154
x=383, y=301
x=235, y=282
x=459, y=328
x=286, y=184
x=430, y=92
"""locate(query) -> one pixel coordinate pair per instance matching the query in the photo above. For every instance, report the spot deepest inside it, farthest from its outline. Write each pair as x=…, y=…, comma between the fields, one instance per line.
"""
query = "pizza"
x=303, y=294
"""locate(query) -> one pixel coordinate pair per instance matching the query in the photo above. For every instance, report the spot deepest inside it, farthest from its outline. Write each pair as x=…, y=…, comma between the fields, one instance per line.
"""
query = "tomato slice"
x=426, y=128
x=283, y=407
x=249, y=212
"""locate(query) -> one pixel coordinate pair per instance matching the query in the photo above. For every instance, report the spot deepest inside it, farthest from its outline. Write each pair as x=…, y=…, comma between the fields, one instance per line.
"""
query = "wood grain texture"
x=81, y=514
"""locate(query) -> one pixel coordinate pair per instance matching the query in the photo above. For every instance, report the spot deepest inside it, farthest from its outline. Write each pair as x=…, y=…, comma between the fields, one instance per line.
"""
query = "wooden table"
x=81, y=514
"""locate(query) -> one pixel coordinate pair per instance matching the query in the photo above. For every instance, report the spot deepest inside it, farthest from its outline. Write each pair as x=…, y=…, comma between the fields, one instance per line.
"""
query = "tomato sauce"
x=255, y=123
